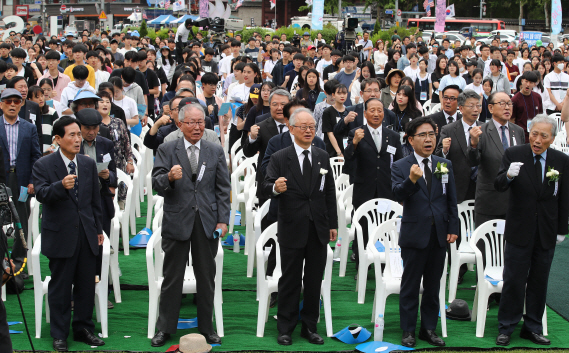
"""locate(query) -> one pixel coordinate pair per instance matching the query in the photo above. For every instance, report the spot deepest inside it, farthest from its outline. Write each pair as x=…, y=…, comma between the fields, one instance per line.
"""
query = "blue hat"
x=306, y=34
x=86, y=94
x=10, y=92
x=135, y=33
x=69, y=34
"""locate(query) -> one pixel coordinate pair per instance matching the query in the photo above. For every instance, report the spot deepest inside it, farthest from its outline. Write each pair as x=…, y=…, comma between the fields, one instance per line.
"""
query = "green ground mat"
x=128, y=321
x=558, y=287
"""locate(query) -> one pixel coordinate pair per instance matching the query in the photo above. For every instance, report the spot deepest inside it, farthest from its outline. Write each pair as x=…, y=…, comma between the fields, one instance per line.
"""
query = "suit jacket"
x=342, y=129
x=182, y=198
x=299, y=204
x=61, y=213
x=31, y=112
x=268, y=129
x=421, y=209
x=103, y=147
x=488, y=157
x=28, y=150
x=529, y=199
x=375, y=178
x=277, y=143
x=458, y=155
x=440, y=119
x=262, y=117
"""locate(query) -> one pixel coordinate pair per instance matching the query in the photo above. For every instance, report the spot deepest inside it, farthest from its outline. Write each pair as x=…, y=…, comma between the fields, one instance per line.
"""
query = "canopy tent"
x=167, y=20
x=185, y=17
x=135, y=17
x=157, y=20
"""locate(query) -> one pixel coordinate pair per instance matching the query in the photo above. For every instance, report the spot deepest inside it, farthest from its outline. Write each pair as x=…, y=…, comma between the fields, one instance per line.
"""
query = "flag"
x=238, y=4
x=144, y=16
x=167, y=6
x=450, y=11
x=556, y=16
x=161, y=3
x=178, y=5
x=317, y=14
x=427, y=6
x=273, y=3
x=309, y=2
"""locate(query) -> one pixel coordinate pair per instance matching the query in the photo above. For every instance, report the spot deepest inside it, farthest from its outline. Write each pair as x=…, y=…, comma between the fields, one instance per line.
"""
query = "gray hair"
x=298, y=111
x=543, y=118
x=182, y=90
x=466, y=95
x=187, y=108
x=280, y=92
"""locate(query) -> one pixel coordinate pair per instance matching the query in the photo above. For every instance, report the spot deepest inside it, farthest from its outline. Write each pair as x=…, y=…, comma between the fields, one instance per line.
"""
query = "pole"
x=481, y=4
x=43, y=19
x=275, y=15
x=340, y=9
x=397, y=18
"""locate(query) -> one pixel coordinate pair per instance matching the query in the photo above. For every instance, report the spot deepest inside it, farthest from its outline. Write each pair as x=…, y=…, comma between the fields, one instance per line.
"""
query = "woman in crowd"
x=50, y=96
x=366, y=71
x=127, y=104
x=441, y=70
x=48, y=117
x=379, y=58
x=270, y=64
x=540, y=89
x=311, y=89
x=540, y=67
x=392, y=84
x=453, y=77
x=500, y=81
x=330, y=117
x=393, y=57
x=487, y=86
x=167, y=63
x=423, y=85
x=299, y=80
x=405, y=108
x=476, y=84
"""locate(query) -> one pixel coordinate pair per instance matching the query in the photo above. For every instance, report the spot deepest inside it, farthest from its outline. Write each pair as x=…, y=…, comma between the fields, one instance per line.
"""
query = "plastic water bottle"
x=236, y=240
x=337, y=249
x=378, y=329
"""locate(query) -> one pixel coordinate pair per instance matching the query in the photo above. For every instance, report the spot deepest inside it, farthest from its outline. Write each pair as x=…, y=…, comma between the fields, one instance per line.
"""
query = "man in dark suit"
x=67, y=185
x=449, y=104
x=301, y=178
x=260, y=134
x=20, y=145
x=29, y=111
x=538, y=178
x=487, y=145
x=430, y=221
x=376, y=147
x=191, y=174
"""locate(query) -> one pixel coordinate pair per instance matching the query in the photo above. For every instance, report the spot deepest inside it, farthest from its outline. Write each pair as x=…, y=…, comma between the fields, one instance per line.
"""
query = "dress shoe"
x=431, y=337
x=284, y=340
x=353, y=258
x=536, y=338
x=274, y=299
x=87, y=337
x=311, y=336
x=460, y=279
x=60, y=345
x=503, y=340
x=408, y=339
x=159, y=339
x=110, y=305
x=212, y=338
x=355, y=277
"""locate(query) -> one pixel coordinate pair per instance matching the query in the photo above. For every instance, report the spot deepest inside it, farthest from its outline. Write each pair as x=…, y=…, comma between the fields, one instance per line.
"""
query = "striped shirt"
x=12, y=136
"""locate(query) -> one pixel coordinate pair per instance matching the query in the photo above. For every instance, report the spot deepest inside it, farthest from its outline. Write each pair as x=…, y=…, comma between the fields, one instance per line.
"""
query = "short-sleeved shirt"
x=209, y=66
x=292, y=74
x=346, y=79
x=253, y=53
x=330, y=117
x=366, y=44
x=129, y=106
x=558, y=83
x=152, y=81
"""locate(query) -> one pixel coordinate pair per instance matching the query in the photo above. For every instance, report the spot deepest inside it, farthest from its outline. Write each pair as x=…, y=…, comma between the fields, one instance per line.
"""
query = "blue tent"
x=157, y=20
x=185, y=17
x=169, y=19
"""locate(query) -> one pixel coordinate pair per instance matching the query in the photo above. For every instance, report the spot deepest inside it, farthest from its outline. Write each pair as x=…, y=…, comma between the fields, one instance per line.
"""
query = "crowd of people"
x=69, y=107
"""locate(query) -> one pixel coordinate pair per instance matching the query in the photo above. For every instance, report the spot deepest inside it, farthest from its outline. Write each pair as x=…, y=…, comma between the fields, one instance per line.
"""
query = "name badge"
x=528, y=124
x=345, y=143
x=444, y=178
x=33, y=118
x=322, y=183
x=514, y=143
x=423, y=96
x=391, y=149
x=202, y=170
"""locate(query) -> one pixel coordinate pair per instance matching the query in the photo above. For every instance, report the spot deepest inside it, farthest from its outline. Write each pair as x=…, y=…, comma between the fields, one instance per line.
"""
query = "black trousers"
x=313, y=256
x=428, y=264
x=76, y=274
x=176, y=255
x=526, y=273
x=5, y=341
x=23, y=209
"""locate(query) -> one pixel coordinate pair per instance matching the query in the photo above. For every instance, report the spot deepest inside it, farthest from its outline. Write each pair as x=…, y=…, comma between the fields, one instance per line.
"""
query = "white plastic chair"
x=436, y=108
x=114, y=259
x=337, y=164
x=124, y=215
x=246, y=169
x=237, y=159
x=136, y=141
x=345, y=237
x=41, y=289
x=389, y=282
x=560, y=123
x=375, y=211
x=250, y=213
x=464, y=254
x=268, y=285
x=427, y=108
x=342, y=183
x=149, y=199
x=33, y=232
x=261, y=213
x=136, y=184
x=154, y=266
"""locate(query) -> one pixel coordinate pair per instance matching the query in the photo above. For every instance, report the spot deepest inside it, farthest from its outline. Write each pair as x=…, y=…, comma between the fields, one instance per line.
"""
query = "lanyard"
x=533, y=106
x=399, y=120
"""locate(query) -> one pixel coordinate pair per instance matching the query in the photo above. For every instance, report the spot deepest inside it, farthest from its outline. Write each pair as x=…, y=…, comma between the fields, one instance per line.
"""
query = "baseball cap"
x=10, y=92
x=255, y=90
x=310, y=47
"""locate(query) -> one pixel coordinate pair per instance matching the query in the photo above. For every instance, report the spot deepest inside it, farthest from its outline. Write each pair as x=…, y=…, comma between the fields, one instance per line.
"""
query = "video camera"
x=296, y=40
x=349, y=27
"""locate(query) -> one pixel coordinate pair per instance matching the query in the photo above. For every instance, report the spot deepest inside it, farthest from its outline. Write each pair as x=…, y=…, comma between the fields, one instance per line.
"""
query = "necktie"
x=450, y=119
x=428, y=174
x=73, y=171
x=377, y=140
x=468, y=137
x=538, y=170
x=281, y=127
x=505, y=141
x=193, y=159
x=306, y=169
x=473, y=170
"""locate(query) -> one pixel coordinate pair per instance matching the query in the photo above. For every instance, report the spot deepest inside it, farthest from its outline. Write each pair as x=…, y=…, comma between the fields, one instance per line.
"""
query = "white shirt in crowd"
x=558, y=83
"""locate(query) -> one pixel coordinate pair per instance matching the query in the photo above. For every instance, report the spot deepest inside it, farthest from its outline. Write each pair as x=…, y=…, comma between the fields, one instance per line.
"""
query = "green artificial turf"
x=128, y=320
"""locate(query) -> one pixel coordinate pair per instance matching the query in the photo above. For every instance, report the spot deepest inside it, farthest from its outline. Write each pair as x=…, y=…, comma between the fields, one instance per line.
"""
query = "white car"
x=501, y=38
x=508, y=32
x=452, y=37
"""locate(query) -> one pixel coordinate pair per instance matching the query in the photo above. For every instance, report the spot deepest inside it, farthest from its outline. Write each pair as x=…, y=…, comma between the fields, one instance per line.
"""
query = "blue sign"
x=530, y=37
x=389, y=12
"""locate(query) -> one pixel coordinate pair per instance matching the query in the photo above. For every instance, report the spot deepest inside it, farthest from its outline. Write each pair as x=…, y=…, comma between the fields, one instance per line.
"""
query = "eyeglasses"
x=504, y=104
x=194, y=123
x=423, y=135
x=450, y=99
x=305, y=127
x=15, y=101
x=372, y=90
x=477, y=106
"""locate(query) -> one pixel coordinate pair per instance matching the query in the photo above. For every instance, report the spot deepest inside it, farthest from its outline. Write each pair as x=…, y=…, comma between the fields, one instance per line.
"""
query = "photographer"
x=182, y=33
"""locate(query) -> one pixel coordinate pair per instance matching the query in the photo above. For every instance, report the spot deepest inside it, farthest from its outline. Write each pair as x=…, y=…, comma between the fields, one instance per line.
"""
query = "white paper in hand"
x=107, y=158
x=102, y=166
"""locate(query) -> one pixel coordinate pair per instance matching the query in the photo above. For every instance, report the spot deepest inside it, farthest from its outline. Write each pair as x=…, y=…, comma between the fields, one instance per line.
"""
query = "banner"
x=273, y=3
x=556, y=16
x=440, y=15
x=450, y=11
x=317, y=14
x=204, y=8
x=530, y=37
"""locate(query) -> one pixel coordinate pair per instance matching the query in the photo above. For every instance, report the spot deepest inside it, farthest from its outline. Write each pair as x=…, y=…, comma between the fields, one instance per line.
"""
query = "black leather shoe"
x=408, y=339
x=87, y=337
x=159, y=339
x=431, y=337
x=60, y=345
x=503, y=340
x=274, y=299
x=212, y=338
x=311, y=336
x=536, y=338
x=284, y=340
x=110, y=305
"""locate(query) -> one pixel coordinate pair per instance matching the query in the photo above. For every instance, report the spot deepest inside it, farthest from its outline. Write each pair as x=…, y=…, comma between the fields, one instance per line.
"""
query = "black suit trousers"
x=526, y=273
x=313, y=257
x=428, y=264
x=76, y=274
x=176, y=255
x=5, y=341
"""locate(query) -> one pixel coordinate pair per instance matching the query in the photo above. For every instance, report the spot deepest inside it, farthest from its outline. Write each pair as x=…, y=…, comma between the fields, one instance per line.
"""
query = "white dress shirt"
x=299, y=153
x=422, y=166
x=66, y=162
x=375, y=132
x=448, y=115
x=466, y=128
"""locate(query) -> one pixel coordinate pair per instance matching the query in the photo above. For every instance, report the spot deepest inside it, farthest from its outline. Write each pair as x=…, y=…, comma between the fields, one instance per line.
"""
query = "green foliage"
x=143, y=29
x=328, y=32
x=386, y=35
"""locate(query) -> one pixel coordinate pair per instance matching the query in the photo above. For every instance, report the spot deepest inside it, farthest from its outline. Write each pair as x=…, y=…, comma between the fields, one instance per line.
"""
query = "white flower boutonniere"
x=552, y=174
x=441, y=170
x=323, y=171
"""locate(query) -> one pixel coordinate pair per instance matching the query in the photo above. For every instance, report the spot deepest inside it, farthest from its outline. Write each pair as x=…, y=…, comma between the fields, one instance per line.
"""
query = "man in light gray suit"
x=488, y=143
x=191, y=174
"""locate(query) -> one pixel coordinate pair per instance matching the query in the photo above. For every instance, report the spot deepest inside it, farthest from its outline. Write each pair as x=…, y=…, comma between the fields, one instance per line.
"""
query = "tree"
x=143, y=29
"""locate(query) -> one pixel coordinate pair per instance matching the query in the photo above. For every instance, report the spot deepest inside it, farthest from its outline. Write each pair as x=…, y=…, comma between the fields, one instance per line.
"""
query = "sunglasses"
x=15, y=101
